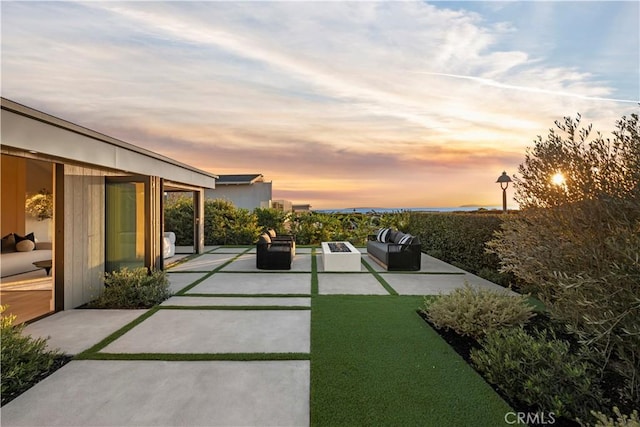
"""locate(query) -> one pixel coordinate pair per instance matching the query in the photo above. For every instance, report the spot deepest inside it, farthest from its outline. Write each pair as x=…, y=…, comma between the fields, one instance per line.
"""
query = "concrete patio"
x=249, y=329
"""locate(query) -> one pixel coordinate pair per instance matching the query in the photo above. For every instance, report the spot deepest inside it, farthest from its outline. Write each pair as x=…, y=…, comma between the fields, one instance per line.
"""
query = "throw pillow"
x=29, y=236
x=383, y=234
x=264, y=238
x=9, y=243
x=25, y=245
x=271, y=232
x=407, y=239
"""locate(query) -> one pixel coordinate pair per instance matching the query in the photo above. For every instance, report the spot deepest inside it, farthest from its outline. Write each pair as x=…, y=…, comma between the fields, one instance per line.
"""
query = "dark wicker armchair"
x=273, y=255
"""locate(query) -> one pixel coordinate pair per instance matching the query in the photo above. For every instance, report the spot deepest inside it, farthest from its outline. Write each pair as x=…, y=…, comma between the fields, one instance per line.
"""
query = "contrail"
x=494, y=83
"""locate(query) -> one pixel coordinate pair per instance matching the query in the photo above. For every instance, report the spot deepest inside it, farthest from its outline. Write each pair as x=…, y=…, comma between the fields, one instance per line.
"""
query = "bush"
x=538, y=370
x=476, y=312
x=178, y=218
x=132, y=289
x=577, y=246
x=460, y=239
x=272, y=218
x=227, y=225
x=24, y=359
x=620, y=420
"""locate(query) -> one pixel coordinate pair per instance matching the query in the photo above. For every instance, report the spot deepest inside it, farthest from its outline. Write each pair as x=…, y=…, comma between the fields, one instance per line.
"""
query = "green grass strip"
x=375, y=362
x=247, y=295
x=206, y=276
x=197, y=356
x=314, y=272
x=235, y=307
x=117, y=334
x=378, y=277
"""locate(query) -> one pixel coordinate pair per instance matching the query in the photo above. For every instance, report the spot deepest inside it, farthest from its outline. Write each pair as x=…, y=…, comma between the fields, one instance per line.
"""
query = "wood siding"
x=84, y=196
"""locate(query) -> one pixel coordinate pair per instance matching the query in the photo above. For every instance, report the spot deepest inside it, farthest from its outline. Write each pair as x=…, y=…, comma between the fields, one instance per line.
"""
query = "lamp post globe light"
x=504, y=181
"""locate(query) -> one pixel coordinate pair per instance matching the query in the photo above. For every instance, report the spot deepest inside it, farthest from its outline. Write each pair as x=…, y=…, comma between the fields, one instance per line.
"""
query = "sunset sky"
x=340, y=104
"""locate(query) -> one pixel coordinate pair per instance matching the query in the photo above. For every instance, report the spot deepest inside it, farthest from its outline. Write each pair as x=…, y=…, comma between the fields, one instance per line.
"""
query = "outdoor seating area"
x=255, y=336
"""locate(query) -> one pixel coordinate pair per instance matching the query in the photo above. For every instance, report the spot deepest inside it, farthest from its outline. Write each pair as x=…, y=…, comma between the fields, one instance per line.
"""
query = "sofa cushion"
x=25, y=245
x=378, y=250
x=21, y=262
x=9, y=243
x=398, y=237
x=392, y=236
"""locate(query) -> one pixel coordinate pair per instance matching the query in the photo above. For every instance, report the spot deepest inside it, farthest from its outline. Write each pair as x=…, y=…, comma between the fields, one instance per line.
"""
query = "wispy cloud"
x=354, y=99
x=493, y=83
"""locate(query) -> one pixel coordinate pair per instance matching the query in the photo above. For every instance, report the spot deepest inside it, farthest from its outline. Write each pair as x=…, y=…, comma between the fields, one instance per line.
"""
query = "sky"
x=341, y=104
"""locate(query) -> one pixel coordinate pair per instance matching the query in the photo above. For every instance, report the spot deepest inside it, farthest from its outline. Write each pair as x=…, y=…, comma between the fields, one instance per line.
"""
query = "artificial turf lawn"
x=374, y=361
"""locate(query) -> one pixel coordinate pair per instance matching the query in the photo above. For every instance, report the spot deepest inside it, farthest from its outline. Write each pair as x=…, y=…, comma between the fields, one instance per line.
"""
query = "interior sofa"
x=273, y=255
x=13, y=261
x=169, y=244
x=395, y=250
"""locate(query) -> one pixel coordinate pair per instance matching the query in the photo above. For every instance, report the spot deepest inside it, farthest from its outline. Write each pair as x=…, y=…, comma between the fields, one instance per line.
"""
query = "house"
x=302, y=207
x=93, y=204
x=247, y=191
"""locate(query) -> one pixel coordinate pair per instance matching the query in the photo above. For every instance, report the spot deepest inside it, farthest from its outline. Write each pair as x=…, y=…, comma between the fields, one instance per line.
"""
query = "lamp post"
x=504, y=181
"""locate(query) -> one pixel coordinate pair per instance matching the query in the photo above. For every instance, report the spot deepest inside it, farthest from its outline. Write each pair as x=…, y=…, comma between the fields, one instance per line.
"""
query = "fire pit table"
x=340, y=256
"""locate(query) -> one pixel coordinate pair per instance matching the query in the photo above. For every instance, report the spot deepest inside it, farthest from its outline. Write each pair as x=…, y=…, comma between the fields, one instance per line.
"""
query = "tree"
x=576, y=243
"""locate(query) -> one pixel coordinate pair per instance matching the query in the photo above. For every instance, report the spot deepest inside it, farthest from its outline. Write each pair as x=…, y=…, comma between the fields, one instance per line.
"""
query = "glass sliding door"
x=125, y=223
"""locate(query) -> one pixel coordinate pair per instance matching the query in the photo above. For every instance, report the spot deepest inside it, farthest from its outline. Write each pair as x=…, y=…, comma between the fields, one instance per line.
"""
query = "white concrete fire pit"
x=340, y=256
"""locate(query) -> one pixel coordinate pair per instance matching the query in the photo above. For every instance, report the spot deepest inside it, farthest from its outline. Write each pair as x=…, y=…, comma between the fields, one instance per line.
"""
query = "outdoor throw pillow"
x=271, y=232
x=264, y=238
x=383, y=234
x=407, y=239
x=25, y=245
x=9, y=243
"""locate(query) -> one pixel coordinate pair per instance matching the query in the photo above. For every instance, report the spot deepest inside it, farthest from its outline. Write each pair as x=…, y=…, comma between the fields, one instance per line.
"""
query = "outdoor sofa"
x=395, y=250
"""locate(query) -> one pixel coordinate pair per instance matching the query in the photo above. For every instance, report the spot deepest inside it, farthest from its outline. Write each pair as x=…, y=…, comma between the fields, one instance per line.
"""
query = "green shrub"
x=475, y=312
x=133, y=289
x=178, y=218
x=272, y=218
x=577, y=246
x=538, y=370
x=460, y=239
x=24, y=359
x=620, y=419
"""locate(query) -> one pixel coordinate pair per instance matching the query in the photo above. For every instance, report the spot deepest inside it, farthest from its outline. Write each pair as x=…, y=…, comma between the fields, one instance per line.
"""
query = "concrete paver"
x=434, y=284
x=227, y=250
x=74, y=331
x=211, y=393
x=205, y=262
x=247, y=262
x=218, y=331
x=254, y=283
x=349, y=284
x=428, y=264
x=178, y=281
x=157, y=393
x=188, y=301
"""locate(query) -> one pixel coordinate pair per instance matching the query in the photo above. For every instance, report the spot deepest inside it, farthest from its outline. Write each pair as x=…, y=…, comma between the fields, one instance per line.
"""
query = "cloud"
x=358, y=97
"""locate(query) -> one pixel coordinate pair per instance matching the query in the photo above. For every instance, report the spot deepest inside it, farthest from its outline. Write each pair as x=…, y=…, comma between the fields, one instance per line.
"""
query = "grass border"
x=235, y=307
x=117, y=334
x=383, y=282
